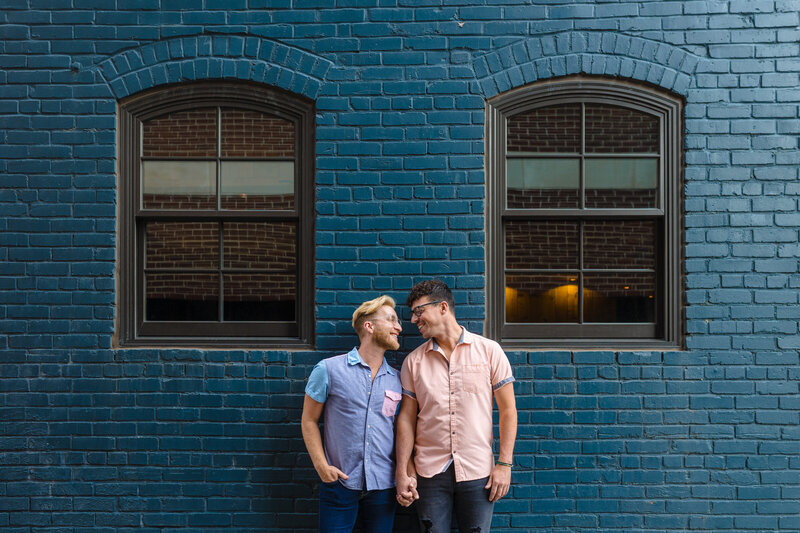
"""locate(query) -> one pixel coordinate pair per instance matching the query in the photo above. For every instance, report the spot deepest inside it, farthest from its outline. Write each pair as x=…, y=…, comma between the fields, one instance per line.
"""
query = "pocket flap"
x=392, y=395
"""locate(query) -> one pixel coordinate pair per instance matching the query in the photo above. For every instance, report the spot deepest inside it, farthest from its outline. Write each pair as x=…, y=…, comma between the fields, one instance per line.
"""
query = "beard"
x=383, y=339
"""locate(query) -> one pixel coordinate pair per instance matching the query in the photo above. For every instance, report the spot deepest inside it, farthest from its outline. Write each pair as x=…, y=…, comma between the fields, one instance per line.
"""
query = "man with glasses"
x=359, y=394
x=445, y=419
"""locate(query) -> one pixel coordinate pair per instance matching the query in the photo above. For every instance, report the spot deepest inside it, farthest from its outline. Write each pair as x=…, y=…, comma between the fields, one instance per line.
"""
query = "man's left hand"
x=499, y=482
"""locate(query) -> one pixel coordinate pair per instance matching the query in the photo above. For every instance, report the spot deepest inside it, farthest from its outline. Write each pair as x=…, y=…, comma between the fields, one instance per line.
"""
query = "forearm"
x=313, y=440
x=405, y=447
x=508, y=434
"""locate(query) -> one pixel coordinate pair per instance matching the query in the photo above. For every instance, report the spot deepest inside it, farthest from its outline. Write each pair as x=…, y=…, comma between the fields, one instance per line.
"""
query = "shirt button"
x=454, y=433
x=452, y=412
x=452, y=393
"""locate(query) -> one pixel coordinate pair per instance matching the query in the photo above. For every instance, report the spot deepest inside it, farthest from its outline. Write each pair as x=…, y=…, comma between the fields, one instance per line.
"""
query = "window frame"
x=132, y=329
x=668, y=333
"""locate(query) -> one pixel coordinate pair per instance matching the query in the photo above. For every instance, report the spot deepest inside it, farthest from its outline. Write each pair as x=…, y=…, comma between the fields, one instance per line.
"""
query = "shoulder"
x=414, y=357
x=484, y=342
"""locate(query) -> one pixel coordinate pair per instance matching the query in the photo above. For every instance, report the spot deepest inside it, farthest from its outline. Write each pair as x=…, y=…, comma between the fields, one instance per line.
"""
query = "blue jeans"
x=338, y=509
x=437, y=496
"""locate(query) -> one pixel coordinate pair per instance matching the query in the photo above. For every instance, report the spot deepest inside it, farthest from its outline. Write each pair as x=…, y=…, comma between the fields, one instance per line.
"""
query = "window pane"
x=544, y=298
x=252, y=134
x=261, y=246
x=621, y=183
x=619, y=297
x=541, y=244
x=179, y=185
x=181, y=134
x=615, y=130
x=620, y=244
x=182, y=245
x=547, y=183
x=175, y=296
x=258, y=296
x=554, y=129
x=257, y=185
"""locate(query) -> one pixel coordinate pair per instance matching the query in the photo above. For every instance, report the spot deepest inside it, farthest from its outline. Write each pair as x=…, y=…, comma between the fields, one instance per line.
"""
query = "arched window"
x=584, y=215
x=216, y=216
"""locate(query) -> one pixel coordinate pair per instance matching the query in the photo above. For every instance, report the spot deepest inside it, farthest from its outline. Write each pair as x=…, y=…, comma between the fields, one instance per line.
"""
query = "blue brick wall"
x=94, y=438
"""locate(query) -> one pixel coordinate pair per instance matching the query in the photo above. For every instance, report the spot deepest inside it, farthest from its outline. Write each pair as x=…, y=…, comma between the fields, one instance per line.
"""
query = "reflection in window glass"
x=257, y=185
x=182, y=245
x=546, y=298
x=533, y=183
x=181, y=134
x=270, y=246
x=251, y=134
x=621, y=183
x=552, y=129
x=616, y=130
x=619, y=297
x=179, y=185
x=178, y=297
x=259, y=296
x=541, y=244
x=619, y=244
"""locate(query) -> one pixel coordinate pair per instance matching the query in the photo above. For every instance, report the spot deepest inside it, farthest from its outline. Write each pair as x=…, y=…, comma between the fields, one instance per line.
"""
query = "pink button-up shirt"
x=455, y=404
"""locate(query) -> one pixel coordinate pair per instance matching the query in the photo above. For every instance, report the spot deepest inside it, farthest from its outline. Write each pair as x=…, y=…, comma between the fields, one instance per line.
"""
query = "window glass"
x=182, y=245
x=621, y=183
x=257, y=184
x=180, y=297
x=615, y=129
x=542, y=244
x=553, y=129
x=542, y=183
x=619, y=297
x=619, y=244
x=543, y=298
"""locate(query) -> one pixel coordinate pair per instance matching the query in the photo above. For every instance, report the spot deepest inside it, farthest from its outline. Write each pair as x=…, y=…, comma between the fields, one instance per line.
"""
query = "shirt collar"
x=354, y=358
x=465, y=338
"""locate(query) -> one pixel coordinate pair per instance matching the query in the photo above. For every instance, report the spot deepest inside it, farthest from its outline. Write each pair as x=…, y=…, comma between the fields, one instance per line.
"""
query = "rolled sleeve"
x=500, y=367
x=317, y=386
x=406, y=380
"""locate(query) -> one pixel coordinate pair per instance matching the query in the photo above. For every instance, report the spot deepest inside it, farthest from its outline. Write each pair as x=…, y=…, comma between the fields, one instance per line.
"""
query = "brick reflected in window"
x=621, y=130
x=182, y=245
x=620, y=244
x=552, y=129
x=550, y=244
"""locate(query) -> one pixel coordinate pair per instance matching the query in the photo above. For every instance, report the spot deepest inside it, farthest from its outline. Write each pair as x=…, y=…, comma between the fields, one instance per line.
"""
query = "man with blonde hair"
x=359, y=394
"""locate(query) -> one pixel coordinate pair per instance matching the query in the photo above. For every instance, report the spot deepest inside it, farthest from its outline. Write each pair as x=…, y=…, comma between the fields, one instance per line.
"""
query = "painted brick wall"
x=95, y=438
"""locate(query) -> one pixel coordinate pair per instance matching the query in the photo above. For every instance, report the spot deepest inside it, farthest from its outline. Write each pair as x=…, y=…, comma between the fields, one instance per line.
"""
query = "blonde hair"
x=369, y=308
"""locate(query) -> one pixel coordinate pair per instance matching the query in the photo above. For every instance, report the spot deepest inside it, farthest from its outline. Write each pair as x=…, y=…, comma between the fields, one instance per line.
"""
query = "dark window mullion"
x=580, y=271
x=221, y=301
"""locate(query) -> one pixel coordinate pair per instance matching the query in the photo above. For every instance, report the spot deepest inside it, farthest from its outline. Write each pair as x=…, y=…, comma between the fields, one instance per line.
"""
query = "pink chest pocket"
x=390, y=401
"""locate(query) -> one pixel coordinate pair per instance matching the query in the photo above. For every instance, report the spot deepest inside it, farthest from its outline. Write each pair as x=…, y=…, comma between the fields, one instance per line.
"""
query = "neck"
x=449, y=337
x=371, y=354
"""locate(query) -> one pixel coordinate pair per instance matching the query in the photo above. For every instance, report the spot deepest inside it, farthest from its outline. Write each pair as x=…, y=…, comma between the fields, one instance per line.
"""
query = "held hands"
x=407, y=490
x=499, y=482
x=329, y=474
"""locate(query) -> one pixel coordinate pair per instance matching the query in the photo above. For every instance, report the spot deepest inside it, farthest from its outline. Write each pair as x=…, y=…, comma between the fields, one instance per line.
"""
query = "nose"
x=414, y=318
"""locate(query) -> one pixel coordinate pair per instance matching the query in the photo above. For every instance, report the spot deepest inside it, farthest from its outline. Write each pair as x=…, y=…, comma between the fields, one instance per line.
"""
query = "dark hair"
x=433, y=288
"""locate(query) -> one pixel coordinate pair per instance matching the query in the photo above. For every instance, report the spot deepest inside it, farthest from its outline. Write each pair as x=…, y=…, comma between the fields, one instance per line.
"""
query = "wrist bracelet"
x=503, y=464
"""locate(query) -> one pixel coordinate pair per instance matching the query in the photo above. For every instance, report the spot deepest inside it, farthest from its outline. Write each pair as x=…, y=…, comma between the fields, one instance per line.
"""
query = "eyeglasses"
x=418, y=310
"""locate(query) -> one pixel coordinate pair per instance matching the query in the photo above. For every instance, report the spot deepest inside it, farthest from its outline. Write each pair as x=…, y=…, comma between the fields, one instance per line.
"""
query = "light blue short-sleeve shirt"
x=358, y=416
